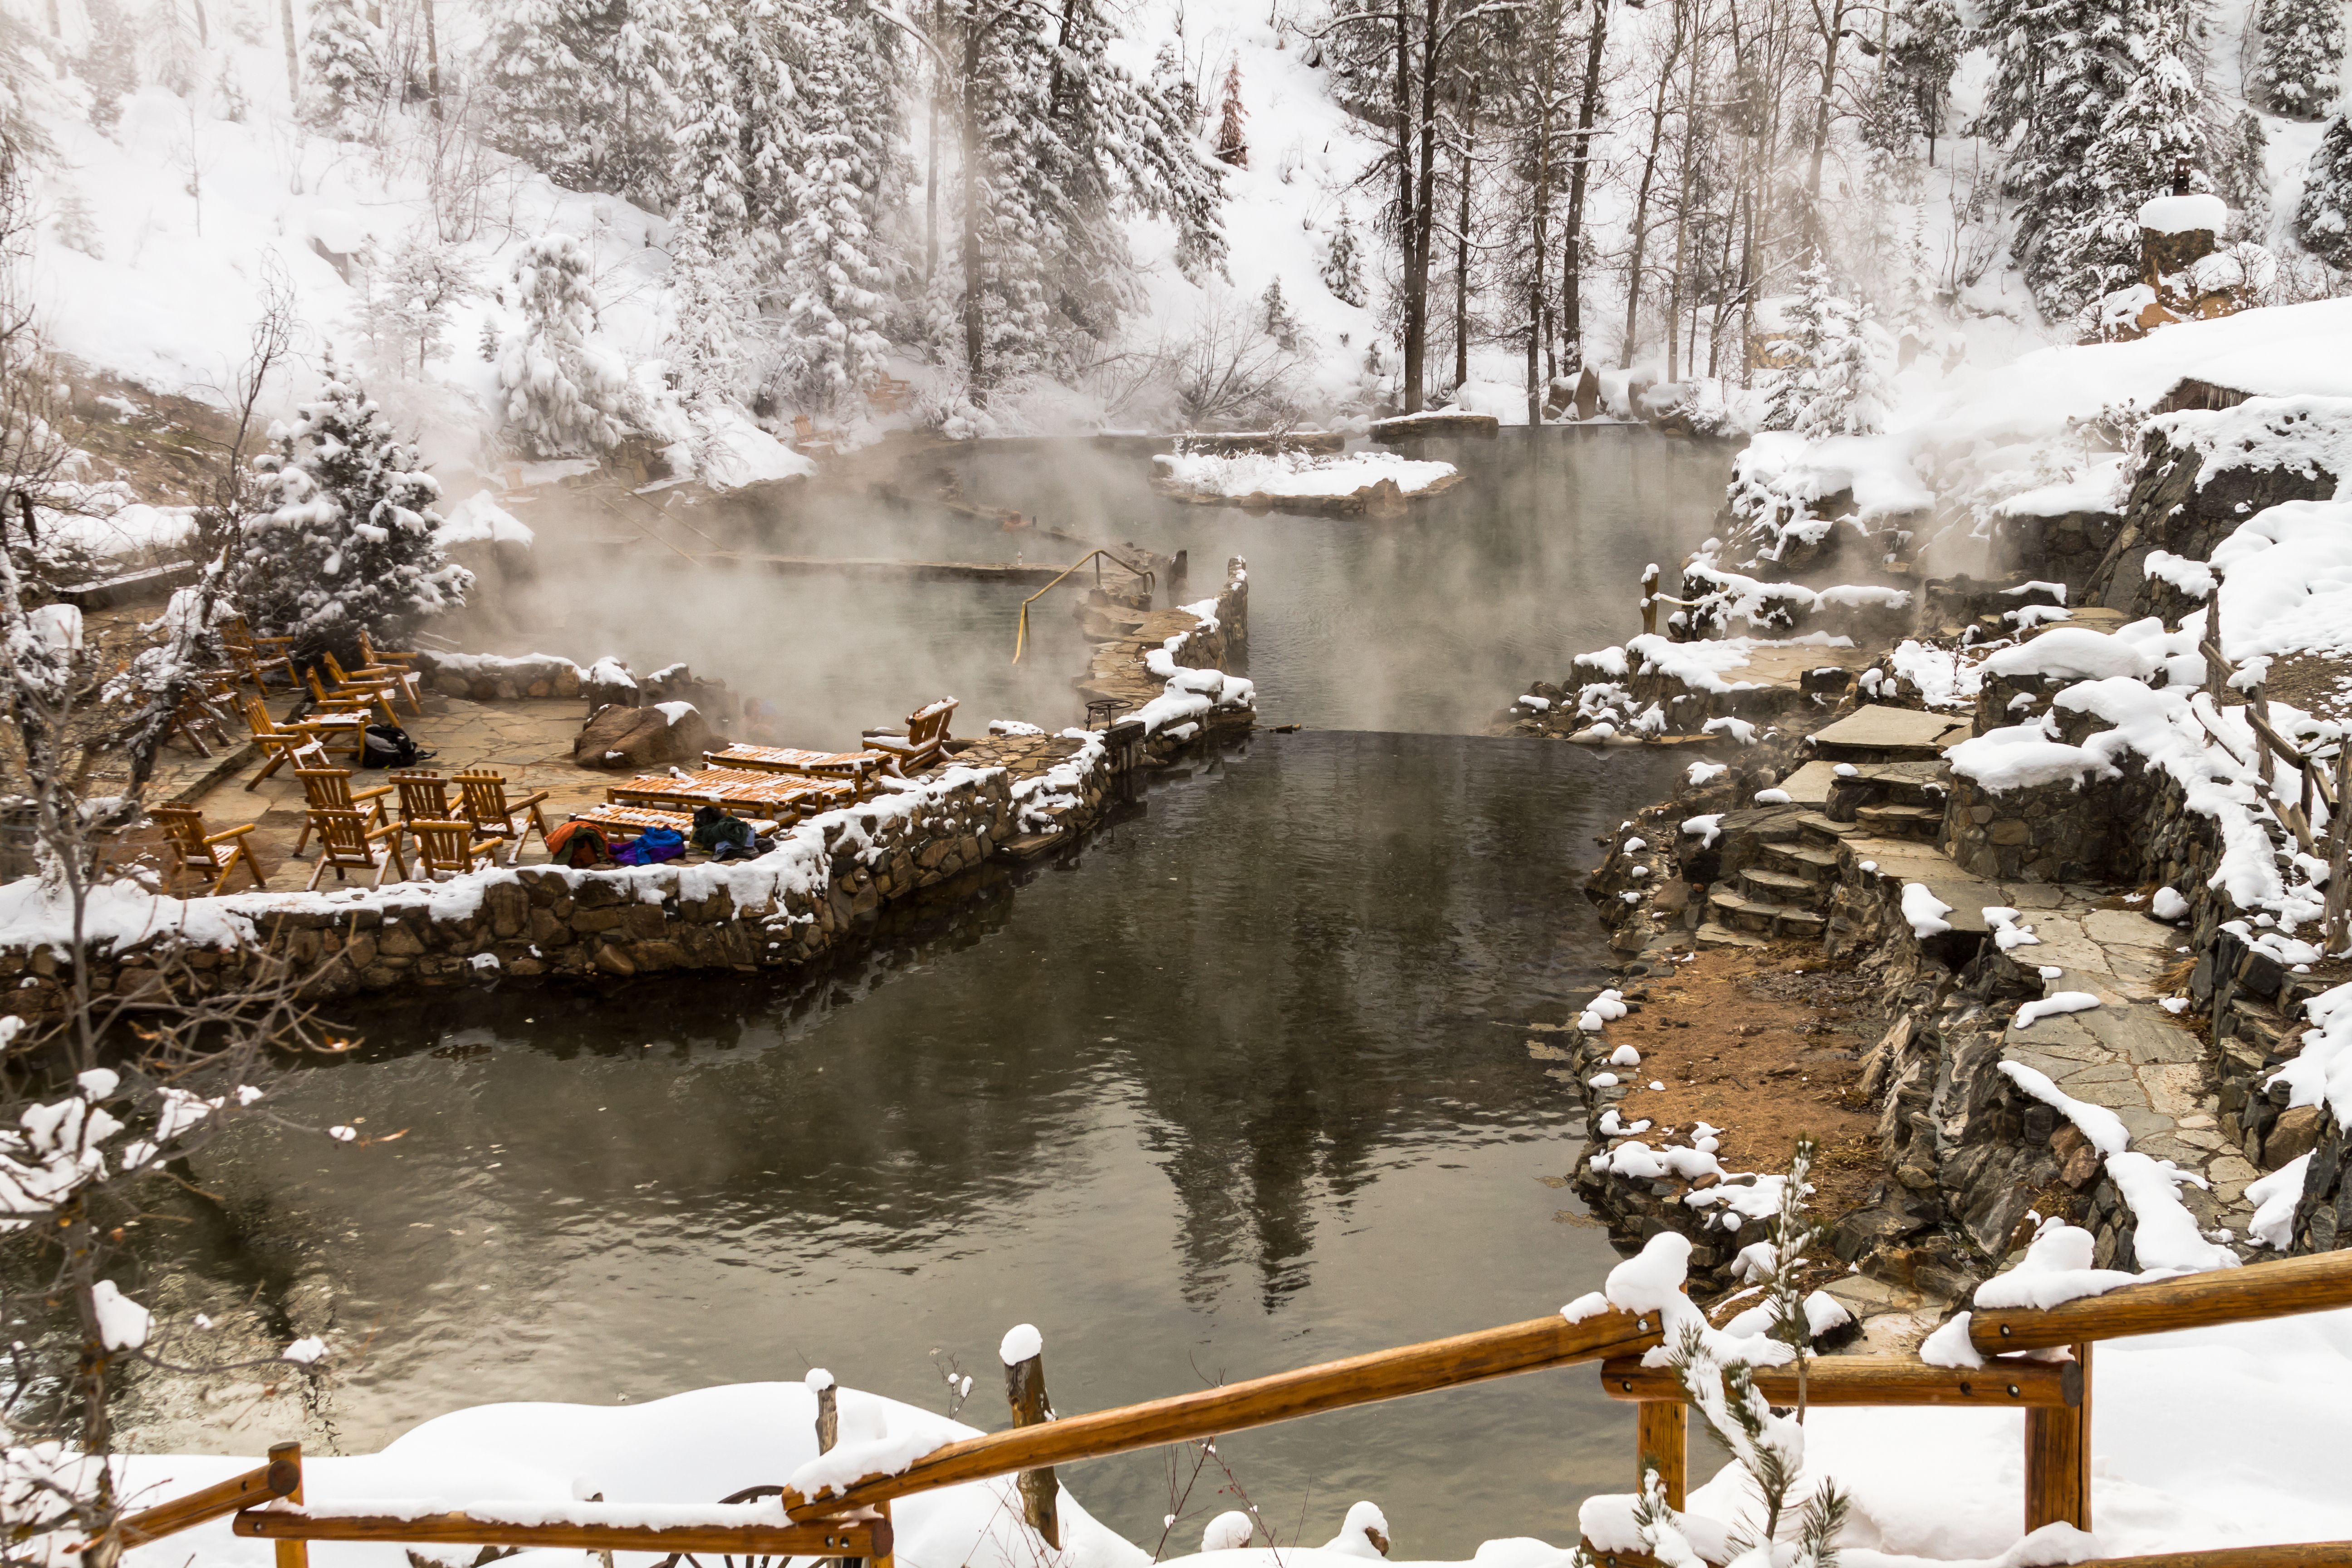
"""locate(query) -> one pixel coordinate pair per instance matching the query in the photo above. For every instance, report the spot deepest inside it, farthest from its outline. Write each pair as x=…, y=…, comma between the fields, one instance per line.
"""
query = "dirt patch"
x=1766, y=1045
x=2319, y=684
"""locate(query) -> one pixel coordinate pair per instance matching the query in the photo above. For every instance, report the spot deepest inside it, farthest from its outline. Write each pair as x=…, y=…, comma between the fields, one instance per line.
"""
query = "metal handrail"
x=1021, y=633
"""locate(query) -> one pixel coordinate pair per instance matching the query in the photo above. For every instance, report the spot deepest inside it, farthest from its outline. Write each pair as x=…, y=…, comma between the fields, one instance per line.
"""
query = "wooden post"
x=828, y=1433
x=291, y=1553
x=1024, y=1354
x=2216, y=672
x=1661, y=1441
x=2058, y=1459
x=1650, y=600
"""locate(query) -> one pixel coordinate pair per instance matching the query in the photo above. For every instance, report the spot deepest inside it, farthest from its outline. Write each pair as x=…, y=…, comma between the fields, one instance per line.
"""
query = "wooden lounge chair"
x=493, y=814
x=853, y=767
x=448, y=849
x=785, y=796
x=197, y=716
x=424, y=795
x=256, y=669
x=348, y=843
x=279, y=742
x=363, y=699
x=329, y=789
x=923, y=745
x=394, y=678
x=193, y=850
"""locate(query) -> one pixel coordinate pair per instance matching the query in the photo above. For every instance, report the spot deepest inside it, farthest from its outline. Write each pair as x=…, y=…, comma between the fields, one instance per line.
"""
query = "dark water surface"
x=1242, y=1087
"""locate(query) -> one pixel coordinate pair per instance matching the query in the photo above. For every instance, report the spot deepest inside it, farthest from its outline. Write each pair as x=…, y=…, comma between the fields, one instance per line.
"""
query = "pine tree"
x=2108, y=97
x=1803, y=346
x=711, y=299
x=585, y=91
x=2322, y=220
x=563, y=396
x=1343, y=269
x=1921, y=62
x=344, y=79
x=76, y=229
x=1277, y=322
x=174, y=61
x=1233, y=144
x=836, y=261
x=2302, y=56
x=1174, y=87
x=1833, y=383
x=343, y=541
x=2239, y=152
x=111, y=68
x=405, y=303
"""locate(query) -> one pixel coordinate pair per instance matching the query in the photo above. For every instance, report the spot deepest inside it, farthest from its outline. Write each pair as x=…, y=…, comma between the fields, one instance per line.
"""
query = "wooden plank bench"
x=857, y=767
x=788, y=797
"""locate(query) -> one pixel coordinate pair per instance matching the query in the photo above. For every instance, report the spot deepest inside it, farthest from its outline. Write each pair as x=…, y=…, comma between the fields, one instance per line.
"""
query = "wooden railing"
x=2320, y=783
x=853, y=1520
x=1096, y=555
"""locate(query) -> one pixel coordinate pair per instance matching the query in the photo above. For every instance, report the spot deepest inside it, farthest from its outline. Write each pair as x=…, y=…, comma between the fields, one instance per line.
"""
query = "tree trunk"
x=1425, y=217
x=293, y=64
x=969, y=125
x=1836, y=22
x=56, y=25
x=931, y=181
x=1461, y=243
x=1641, y=196
x=1681, y=208
x=432, y=60
x=1571, y=274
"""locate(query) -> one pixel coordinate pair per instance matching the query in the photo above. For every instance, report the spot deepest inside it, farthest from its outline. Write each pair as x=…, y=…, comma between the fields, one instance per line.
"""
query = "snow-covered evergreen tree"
x=406, y=301
x=836, y=259
x=1832, y=381
x=713, y=305
x=175, y=60
x=1343, y=269
x=1921, y=60
x=2302, y=56
x=76, y=228
x=342, y=540
x=562, y=395
x=2109, y=97
x=111, y=65
x=585, y=90
x=2238, y=152
x=1173, y=87
x=344, y=79
x=1277, y=322
x=1232, y=140
x=2322, y=219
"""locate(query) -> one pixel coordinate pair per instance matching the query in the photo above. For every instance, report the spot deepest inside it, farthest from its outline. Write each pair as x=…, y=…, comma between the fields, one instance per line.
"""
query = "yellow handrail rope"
x=1021, y=634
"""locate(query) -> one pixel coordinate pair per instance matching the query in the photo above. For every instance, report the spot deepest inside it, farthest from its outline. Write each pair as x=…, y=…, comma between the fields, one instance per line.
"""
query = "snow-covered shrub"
x=1343, y=269
x=344, y=537
x=562, y=395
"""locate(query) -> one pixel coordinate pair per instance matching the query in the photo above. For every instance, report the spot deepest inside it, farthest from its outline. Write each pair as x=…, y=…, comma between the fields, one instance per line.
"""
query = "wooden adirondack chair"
x=449, y=848
x=923, y=745
x=193, y=850
x=279, y=742
x=253, y=668
x=329, y=789
x=348, y=843
x=424, y=795
x=492, y=812
x=199, y=714
x=380, y=656
x=358, y=700
x=392, y=678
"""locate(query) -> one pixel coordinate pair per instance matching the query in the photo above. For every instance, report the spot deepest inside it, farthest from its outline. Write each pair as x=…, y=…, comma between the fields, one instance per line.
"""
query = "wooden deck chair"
x=424, y=795
x=923, y=745
x=348, y=843
x=491, y=812
x=198, y=716
x=193, y=850
x=449, y=848
x=360, y=699
x=237, y=631
x=280, y=742
x=396, y=677
x=373, y=655
x=329, y=789
x=256, y=669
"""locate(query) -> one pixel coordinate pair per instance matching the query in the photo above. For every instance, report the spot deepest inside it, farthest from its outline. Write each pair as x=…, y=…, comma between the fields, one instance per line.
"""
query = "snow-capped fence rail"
x=2317, y=787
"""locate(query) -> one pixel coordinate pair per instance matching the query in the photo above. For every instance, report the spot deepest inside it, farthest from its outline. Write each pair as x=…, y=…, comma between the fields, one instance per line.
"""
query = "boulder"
x=635, y=738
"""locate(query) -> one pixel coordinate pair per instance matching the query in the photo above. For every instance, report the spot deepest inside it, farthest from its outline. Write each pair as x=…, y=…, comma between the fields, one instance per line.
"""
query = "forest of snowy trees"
x=957, y=187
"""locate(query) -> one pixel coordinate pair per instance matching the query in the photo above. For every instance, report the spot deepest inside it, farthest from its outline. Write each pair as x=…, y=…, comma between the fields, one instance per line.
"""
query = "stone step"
x=1780, y=888
x=1761, y=918
x=1821, y=832
x=1713, y=935
x=1806, y=859
x=1901, y=821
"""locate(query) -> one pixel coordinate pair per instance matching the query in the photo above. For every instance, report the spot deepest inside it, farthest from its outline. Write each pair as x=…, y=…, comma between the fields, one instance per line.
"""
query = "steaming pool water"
x=1242, y=1084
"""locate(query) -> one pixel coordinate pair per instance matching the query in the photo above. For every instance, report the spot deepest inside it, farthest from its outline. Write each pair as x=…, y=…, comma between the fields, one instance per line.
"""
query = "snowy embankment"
x=1299, y=481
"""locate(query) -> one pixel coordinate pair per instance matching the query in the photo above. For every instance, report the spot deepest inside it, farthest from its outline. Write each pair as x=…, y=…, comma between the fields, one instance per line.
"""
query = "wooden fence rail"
x=853, y=1520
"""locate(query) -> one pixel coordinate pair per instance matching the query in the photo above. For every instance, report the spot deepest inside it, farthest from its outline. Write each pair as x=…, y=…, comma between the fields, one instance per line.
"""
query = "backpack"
x=390, y=746
x=652, y=845
x=578, y=844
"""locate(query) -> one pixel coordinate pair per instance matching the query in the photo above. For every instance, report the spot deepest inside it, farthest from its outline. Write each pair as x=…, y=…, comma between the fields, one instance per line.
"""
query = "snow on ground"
x=1296, y=475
